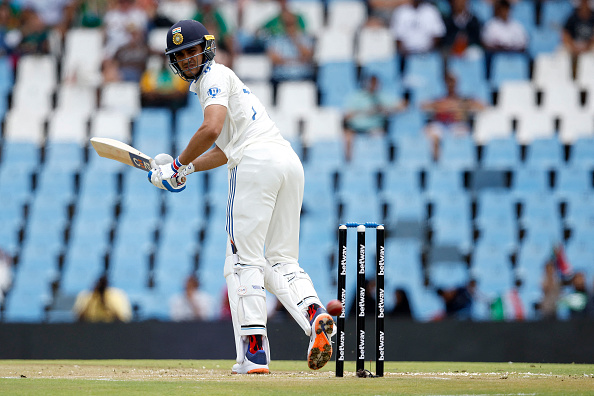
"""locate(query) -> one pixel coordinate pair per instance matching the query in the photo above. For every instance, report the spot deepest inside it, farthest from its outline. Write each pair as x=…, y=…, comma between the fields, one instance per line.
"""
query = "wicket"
x=360, y=308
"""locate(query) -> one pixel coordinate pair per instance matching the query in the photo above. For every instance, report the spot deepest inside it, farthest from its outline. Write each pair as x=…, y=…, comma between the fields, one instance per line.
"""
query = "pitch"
x=213, y=377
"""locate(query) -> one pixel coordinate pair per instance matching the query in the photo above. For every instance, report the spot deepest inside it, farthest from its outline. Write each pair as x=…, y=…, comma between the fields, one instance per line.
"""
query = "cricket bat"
x=116, y=150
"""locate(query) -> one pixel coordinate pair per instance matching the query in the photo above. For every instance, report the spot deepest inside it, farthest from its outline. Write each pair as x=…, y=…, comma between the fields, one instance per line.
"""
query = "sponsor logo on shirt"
x=213, y=92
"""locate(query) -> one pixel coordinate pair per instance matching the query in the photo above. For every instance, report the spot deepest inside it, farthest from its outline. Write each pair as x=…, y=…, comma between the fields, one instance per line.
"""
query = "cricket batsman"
x=264, y=201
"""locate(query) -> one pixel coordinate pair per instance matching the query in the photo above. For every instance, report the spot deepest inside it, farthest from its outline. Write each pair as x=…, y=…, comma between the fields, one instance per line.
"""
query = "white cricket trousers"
x=264, y=205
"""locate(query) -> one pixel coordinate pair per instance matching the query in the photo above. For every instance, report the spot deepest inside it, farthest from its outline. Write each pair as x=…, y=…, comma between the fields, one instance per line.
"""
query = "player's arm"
x=206, y=135
x=210, y=160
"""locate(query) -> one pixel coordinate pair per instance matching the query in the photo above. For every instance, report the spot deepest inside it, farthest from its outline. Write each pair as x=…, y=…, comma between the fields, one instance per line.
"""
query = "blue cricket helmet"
x=185, y=34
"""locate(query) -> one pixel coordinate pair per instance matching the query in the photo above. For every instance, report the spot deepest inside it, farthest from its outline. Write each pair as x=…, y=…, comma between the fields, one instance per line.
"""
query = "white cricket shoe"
x=254, y=363
x=319, y=351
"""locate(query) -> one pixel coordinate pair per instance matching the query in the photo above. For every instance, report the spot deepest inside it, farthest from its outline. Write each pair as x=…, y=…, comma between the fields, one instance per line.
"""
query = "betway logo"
x=362, y=259
x=343, y=261
x=361, y=344
x=361, y=302
x=380, y=304
x=381, y=261
x=380, y=348
x=341, y=346
x=343, y=299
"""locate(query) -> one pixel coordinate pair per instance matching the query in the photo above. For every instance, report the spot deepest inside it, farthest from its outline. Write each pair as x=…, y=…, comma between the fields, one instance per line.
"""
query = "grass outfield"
x=213, y=377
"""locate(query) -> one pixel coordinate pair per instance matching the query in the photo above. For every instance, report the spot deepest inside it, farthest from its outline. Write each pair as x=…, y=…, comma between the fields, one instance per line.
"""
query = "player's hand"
x=168, y=174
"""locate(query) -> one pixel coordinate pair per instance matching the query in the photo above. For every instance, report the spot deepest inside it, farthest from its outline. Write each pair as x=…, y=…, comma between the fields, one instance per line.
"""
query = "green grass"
x=212, y=377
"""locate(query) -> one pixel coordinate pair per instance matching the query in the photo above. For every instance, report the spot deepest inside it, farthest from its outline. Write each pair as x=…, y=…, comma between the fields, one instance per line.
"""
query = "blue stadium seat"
x=582, y=153
x=491, y=267
x=579, y=210
x=458, y=152
x=482, y=9
x=410, y=123
x=400, y=180
x=423, y=71
x=405, y=206
x=554, y=13
x=501, y=154
x=63, y=156
x=20, y=154
x=129, y=268
x=336, y=81
x=355, y=181
x=152, y=131
x=543, y=40
x=452, y=232
x=580, y=253
x=361, y=208
x=545, y=153
x=188, y=120
x=527, y=181
x=509, y=66
x=413, y=152
x=426, y=305
x=525, y=13
x=531, y=258
x=572, y=180
x=370, y=152
x=25, y=307
x=440, y=180
x=454, y=205
x=496, y=204
x=469, y=71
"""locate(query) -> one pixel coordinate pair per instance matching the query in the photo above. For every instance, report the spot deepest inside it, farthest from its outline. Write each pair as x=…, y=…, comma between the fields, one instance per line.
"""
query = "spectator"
x=103, y=304
x=577, y=299
x=401, y=308
x=366, y=112
x=55, y=14
x=449, y=115
x=116, y=25
x=509, y=307
x=34, y=35
x=193, y=304
x=160, y=88
x=417, y=27
x=380, y=11
x=578, y=31
x=129, y=61
x=463, y=29
x=273, y=27
x=502, y=33
x=156, y=19
x=9, y=24
x=5, y=273
x=370, y=301
x=291, y=53
x=90, y=13
x=458, y=301
x=214, y=21
x=551, y=290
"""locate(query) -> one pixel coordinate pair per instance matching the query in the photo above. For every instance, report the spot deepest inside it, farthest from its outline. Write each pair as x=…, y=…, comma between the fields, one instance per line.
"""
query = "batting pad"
x=278, y=285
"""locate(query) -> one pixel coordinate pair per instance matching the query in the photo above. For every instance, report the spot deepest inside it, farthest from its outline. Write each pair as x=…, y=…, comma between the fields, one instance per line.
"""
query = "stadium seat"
x=409, y=122
x=576, y=125
x=501, y=154
x=554, y=14
x=535, y=125
x=440, y=180
x=571, y=180
x=375, y=44
x=579, y=210
x=525, y=13
x=482, y=9
x=253, y=67
x=527, y=181
x=152, y=132
x=400, y=180
x=388, y=74
x=334, y=46
x=413, y=152
x=582, y=153
x=123, y=97
x=336, y=81
x=544, y=153
x=299, y=98
x=552, y=70
x=346, y=15
x=491, y=267
x=509, y=66
x=405, y=207
x=452, y=232
x=111, y=124
x=323, y=125
x=457, y=152
x=83, y=52
x=584, y=71
x=543, y=40
x=454, y=205
x=78, y=99
x=516, y=97
x=491, y=124
x=313, y=14
x=448, y=275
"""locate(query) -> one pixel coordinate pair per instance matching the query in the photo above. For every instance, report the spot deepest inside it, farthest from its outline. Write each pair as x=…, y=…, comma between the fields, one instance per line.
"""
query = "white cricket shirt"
x=247, y=121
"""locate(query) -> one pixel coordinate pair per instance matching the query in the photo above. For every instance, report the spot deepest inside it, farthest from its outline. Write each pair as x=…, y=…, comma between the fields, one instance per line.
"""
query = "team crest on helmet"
x=178, y=38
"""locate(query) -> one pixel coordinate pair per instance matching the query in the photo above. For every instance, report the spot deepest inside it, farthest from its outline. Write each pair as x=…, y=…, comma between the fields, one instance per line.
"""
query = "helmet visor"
x=189, y=64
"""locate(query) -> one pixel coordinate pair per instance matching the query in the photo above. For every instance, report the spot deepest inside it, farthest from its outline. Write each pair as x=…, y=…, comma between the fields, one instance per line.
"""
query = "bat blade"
x=121, y=152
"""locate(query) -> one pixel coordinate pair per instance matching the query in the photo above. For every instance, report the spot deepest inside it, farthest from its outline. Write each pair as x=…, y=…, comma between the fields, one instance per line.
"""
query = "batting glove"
x=171, y=177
